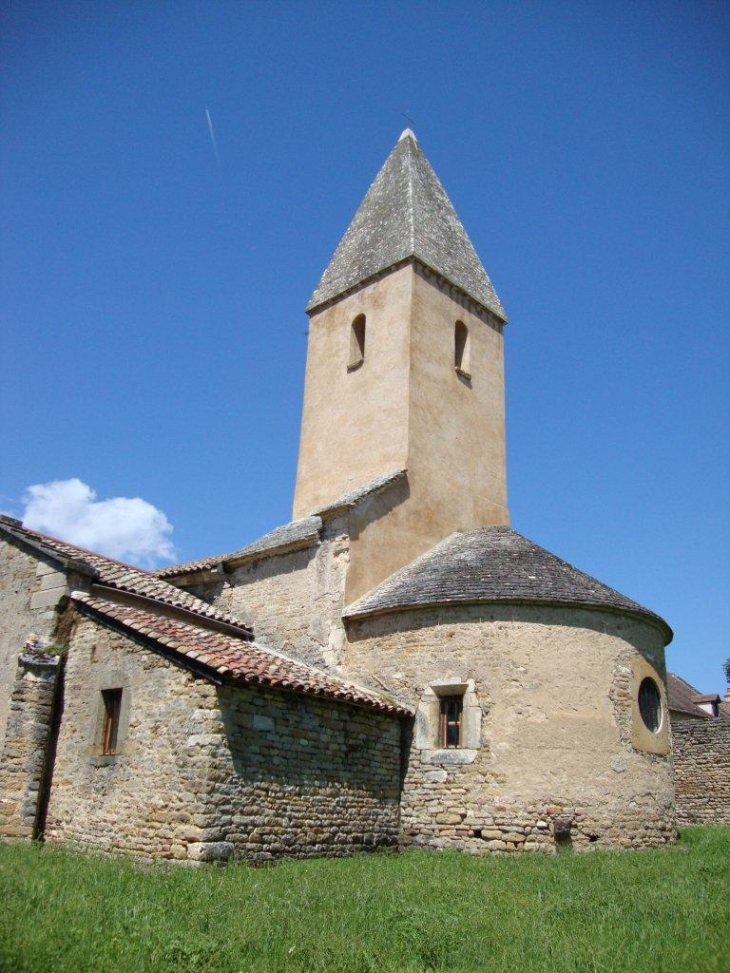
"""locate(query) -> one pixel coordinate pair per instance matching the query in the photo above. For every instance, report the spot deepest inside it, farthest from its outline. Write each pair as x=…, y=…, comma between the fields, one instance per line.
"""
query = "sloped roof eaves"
x=125, y=577
x=357, y=495
x=493, y=565
x=680, y=697
x=287, y=537
x=235, y=658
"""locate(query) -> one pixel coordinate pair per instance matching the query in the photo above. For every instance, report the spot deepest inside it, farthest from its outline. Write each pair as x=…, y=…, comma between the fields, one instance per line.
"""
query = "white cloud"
x=129, y=529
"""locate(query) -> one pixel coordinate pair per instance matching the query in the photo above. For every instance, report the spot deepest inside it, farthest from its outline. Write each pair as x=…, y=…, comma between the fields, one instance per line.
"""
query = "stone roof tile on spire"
x=406, y=214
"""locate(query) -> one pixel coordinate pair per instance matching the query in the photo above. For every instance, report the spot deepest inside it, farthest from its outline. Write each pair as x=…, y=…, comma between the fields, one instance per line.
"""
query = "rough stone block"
x=46, y=599
x=210, y=851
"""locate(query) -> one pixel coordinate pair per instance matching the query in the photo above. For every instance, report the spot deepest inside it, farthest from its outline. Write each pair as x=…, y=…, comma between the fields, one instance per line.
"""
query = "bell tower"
x=405, y=372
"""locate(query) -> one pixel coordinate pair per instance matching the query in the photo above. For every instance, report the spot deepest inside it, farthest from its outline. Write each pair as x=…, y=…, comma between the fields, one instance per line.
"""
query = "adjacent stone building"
x=701, y=750
x=396, y=666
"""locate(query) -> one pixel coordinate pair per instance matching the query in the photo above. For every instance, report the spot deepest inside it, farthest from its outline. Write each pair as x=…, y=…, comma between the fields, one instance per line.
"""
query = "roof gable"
x=406, y=214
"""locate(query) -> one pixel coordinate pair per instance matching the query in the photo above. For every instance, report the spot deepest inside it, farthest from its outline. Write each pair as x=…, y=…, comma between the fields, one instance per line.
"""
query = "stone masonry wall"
x=30, y=588
x=551, y=758
x=26, y=748
x=294, y=600
x=147, y=798
x=702, y=771
x=297, y=776
x=205, y=772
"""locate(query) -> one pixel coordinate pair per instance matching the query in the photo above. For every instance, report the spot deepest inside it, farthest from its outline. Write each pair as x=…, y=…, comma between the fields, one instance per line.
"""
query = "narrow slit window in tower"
x=357, y=343
x=461, y=349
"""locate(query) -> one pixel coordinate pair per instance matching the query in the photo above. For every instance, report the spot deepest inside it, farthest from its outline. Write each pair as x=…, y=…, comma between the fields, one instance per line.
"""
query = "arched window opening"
x=461, y=349
x=357, y=343
x=650, y=704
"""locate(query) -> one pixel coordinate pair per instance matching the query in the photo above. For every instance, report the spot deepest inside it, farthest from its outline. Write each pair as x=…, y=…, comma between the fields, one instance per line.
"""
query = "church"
x=395, y=667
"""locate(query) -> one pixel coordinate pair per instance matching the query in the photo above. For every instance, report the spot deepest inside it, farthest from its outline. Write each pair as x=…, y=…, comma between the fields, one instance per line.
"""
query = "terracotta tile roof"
x=492, y=564
x=683, y=698
x=232, y=658
x=116, y=574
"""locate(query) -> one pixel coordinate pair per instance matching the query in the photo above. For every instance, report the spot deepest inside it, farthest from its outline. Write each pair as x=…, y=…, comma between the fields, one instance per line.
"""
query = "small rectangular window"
x=112, y=699
x=451, y=713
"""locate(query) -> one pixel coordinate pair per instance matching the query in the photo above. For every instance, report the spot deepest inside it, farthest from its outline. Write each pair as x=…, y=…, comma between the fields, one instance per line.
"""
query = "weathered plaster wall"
x=404, y=408
x=456, y=438
x=557, y=690
x=355, y=423
x=29, y=590
x=203, y=773
x=702, y=771
x=456, y=448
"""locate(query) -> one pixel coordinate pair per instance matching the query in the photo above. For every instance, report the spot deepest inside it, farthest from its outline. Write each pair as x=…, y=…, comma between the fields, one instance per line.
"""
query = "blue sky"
x=153, y=293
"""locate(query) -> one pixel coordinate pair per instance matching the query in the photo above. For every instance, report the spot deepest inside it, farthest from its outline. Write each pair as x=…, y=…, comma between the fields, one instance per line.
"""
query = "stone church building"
x=397, y=666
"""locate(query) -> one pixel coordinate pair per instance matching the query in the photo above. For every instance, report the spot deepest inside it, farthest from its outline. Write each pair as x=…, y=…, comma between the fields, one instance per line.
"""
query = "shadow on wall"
x=377, y=506
x=293, y=741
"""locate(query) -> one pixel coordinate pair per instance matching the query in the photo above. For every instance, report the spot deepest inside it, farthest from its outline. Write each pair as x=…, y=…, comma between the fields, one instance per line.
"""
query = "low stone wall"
x=702, y=771
x=442, y=808
x=203, y=773
x=297, y=776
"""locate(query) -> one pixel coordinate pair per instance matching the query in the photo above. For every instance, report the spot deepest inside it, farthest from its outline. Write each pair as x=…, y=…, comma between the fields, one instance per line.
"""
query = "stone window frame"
x=650, y=704
x=428, y=722
x=112, y=682
x=642, y=737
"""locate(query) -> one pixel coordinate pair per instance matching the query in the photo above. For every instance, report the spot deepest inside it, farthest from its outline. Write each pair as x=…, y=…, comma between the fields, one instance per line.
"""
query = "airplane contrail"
x=212, y=136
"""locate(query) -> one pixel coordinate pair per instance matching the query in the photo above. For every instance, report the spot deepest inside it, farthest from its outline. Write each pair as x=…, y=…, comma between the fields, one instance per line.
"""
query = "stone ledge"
x=455, y=757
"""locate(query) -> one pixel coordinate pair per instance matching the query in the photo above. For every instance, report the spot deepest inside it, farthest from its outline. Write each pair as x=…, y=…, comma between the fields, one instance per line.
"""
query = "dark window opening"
x=112, y=699
x=461, y=348
x=451, y=713
x=357, y=342
x=650, y=704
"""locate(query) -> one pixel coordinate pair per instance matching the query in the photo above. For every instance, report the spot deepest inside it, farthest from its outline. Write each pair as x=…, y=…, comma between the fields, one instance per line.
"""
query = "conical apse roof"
x=406, y=213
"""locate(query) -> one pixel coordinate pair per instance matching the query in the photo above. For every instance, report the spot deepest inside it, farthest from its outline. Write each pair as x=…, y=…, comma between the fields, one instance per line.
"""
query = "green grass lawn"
x=665, y=911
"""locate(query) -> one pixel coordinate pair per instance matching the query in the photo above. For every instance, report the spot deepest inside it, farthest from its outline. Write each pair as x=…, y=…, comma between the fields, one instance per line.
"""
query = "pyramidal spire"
x=406, y=214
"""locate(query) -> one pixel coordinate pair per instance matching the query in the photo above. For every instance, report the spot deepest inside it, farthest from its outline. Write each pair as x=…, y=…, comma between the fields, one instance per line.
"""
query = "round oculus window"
x=650, y=704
